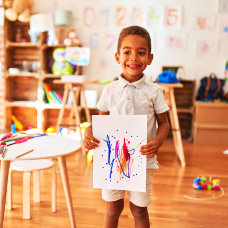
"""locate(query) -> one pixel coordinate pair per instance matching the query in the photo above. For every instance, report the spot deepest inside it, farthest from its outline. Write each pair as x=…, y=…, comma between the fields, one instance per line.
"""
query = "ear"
x=117, y=57
x=150, y=59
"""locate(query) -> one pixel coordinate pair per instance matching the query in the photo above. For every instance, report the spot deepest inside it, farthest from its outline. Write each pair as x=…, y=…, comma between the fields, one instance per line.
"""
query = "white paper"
x=78, y=55
x=118, y=134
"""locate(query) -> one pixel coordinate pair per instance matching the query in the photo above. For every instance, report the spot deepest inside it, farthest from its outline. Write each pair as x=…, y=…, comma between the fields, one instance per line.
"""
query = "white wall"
x=100, y=30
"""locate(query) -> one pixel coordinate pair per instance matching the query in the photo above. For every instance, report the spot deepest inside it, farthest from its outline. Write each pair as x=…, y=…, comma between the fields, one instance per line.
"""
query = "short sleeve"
x=160, y=105
x=102, y=104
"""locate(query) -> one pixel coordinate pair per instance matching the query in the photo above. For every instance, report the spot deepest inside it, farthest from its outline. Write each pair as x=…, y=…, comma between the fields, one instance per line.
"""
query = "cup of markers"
x=3, y=149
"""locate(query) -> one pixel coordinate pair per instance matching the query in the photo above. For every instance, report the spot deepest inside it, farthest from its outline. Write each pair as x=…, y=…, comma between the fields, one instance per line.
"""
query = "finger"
x=94, y=139
x=150, y=155
x=148, y=150
x=89, y=144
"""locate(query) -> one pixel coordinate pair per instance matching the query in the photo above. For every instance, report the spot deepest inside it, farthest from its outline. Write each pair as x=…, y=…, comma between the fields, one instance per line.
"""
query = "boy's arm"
x=152, y=146
x=89, y=141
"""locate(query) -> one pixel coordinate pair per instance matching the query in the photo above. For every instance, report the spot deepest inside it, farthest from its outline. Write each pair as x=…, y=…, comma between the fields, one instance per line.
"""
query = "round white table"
x=43, y=147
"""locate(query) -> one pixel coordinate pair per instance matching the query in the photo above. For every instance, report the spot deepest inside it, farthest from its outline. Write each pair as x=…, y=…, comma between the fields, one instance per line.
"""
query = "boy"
x=132, y=95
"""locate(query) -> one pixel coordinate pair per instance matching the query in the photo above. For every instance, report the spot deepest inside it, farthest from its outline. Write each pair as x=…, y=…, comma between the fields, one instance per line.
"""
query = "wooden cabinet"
x=29, y=64
x=211, y=123
x=185, y=99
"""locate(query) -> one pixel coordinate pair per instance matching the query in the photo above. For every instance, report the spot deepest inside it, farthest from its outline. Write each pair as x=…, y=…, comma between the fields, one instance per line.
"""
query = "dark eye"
x=142, y=53
x=127, y=52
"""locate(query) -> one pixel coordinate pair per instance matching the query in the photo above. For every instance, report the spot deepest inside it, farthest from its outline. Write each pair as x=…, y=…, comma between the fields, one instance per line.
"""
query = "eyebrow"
x=138, y=48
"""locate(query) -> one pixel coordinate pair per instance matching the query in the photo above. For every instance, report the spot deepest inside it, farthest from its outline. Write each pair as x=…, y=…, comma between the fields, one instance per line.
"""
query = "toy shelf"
x=211, y=123
x=24, y=87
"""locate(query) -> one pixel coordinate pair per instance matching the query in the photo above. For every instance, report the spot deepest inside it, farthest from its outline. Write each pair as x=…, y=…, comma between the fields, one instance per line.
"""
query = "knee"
x=115, y=208
x=138, y=212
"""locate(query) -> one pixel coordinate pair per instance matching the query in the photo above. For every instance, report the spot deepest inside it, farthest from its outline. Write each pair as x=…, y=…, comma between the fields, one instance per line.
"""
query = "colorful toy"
x=18, y=124
x=202, y=183
x=72, y=38
x=51, y=129
x=59, y=65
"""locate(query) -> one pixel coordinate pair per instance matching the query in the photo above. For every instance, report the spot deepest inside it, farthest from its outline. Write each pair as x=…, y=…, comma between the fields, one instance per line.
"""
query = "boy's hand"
x=89, y=141
x=150, y=149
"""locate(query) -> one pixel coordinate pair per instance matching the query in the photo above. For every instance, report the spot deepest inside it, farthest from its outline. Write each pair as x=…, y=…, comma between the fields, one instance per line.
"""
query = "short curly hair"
x=134, y=30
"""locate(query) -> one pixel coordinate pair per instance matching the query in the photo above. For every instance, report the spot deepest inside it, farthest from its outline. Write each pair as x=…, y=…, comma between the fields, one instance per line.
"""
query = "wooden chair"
x=28, y=167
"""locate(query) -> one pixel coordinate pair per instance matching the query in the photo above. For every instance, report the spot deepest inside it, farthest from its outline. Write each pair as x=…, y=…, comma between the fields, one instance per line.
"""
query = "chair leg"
x=36, y=186
x=10, y=190
x=26, y=195
x=54, y=188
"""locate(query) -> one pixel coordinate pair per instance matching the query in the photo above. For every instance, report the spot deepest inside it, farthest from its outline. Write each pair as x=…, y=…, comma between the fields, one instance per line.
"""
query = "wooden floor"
x=169, y=209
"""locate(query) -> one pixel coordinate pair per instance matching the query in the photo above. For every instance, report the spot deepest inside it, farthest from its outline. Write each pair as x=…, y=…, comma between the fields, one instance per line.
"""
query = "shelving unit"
x=211, y=123
x=24, y=95
x=185, y=102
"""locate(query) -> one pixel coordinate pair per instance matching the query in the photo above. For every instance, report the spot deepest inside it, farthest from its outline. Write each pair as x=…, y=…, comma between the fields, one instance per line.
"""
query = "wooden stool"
x=29, y=166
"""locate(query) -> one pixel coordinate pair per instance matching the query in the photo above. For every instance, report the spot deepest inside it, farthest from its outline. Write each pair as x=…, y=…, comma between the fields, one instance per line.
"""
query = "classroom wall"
x=199, y=51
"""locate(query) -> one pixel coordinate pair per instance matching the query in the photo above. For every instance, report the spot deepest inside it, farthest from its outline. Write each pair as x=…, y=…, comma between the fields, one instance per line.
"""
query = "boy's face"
x=133, y=57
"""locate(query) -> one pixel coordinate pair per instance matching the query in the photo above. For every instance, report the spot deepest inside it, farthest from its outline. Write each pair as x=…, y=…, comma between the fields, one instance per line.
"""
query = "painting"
x=78, y=55
x=202, y=22
x=117, y=162
x=223, y=6
x=175, y=42
x=206, y=47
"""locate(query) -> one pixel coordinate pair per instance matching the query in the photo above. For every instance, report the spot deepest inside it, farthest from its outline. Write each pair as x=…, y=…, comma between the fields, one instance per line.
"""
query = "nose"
x=133, y=56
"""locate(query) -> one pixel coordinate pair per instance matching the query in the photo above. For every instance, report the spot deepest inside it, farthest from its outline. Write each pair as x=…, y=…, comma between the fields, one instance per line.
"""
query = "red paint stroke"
x=125, y=151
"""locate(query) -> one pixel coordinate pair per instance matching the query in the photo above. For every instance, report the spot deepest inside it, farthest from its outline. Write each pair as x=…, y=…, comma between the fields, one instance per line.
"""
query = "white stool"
x=29, y=166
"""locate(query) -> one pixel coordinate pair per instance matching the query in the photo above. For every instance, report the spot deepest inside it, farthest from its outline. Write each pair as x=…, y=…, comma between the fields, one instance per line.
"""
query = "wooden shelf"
x=23, y=74
x=10, y=44
x=31, y=104
x=45, y=46
x=24, y=94
x=47, y=75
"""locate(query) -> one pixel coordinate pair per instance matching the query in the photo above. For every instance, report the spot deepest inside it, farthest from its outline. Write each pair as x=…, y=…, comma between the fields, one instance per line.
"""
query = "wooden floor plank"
x=169, y=208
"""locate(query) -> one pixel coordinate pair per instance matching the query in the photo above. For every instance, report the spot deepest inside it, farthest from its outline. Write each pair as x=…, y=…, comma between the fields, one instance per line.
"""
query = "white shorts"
x=140, y=199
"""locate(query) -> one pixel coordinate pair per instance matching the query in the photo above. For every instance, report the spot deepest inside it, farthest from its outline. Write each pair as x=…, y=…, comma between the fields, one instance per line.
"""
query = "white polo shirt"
x=138, y=98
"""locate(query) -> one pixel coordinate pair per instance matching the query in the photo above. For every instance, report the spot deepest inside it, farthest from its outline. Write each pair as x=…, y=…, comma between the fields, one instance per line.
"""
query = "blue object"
x=167, y=77
x=13, y=128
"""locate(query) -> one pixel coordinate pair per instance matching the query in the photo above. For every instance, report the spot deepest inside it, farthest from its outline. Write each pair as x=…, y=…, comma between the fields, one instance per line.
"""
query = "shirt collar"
x=137, y=84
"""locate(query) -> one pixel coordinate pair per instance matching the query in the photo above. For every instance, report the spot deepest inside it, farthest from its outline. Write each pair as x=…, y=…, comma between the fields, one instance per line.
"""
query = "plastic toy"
x=18, y=124
x=202, y=184
x=72, y=38
x=59, y=65
x=32, y=131
x=51, y=129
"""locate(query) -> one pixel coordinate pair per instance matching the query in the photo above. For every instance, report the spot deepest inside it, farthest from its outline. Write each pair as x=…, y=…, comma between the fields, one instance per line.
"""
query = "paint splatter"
x=123, y=158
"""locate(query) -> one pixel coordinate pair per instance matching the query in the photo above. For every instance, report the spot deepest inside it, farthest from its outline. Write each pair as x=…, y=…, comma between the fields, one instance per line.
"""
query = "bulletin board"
x=184, y=33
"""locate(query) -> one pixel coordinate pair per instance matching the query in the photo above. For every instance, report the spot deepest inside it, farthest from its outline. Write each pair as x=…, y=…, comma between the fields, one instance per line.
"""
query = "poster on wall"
x=206, y=47
x=154, y=17
x=223, y=6
x=175, y=42
x=204, y=22
x=173, y=17
x=117, y=162
x=223, y=27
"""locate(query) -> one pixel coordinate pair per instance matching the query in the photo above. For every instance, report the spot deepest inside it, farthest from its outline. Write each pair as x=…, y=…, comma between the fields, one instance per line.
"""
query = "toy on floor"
x=202, y=183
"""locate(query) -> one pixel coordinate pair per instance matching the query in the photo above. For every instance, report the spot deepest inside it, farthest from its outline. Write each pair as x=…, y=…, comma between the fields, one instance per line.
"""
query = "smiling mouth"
x=134, y=66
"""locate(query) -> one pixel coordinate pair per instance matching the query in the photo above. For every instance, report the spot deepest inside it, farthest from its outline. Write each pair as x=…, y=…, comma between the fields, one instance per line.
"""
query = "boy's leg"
x=141, y=217
x=113, y=212
x=139, y=202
